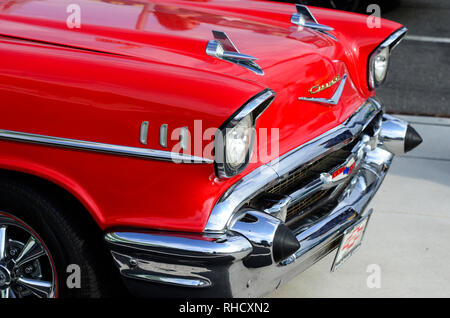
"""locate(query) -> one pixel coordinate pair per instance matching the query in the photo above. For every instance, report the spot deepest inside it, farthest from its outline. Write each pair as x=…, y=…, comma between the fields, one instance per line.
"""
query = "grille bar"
x=320, y=183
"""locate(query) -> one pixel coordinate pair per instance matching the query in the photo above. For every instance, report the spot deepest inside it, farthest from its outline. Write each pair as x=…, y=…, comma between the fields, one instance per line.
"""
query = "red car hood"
x=177, y=32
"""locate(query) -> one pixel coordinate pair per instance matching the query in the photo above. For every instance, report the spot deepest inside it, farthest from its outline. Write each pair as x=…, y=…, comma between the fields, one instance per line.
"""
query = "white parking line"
x=427, y=39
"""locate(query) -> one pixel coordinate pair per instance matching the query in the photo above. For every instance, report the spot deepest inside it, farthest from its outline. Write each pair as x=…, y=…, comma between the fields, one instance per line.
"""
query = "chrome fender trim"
x=101, y=147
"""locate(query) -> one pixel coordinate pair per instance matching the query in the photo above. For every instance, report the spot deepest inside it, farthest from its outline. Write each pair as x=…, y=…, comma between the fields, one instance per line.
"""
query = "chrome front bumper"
x=238, y=260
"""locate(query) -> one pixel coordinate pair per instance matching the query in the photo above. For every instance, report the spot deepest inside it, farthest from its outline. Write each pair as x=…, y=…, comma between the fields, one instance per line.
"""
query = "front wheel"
x=48, y=249
x=26, y=265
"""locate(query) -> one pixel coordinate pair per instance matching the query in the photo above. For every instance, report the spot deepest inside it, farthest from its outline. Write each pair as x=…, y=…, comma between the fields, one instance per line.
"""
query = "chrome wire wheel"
x=26, y=266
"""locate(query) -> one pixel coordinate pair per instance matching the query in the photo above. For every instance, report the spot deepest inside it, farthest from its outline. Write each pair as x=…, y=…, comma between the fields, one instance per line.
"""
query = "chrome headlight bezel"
x=250, y=111
x=386, y=48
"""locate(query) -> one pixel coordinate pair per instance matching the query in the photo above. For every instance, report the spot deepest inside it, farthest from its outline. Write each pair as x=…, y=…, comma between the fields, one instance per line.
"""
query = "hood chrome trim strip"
x=102, y=147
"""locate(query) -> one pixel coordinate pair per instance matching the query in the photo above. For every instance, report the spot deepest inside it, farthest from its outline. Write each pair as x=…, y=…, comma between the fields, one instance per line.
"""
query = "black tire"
x=67, y=236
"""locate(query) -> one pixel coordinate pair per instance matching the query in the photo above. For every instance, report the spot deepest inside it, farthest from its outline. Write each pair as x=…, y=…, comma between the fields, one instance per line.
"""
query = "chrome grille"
x=306, y=174
x=307, y=194
x=295, y=210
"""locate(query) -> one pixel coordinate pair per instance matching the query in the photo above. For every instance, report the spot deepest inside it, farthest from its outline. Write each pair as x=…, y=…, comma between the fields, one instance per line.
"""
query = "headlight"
x=237, y=142
x=234, y=140
x=380, y=63
x=379, y=59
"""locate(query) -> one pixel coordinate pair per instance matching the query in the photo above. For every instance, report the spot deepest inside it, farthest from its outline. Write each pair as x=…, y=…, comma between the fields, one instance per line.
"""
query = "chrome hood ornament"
x=305, y=18
x=223, y=48
x=336, y=96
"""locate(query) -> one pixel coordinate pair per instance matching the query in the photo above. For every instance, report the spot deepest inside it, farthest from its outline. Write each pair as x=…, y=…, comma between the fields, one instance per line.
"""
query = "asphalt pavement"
x=419, y=76
x=406, y=248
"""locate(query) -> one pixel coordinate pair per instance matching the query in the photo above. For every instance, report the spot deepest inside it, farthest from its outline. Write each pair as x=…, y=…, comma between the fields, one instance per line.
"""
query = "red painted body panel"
x=146, y=61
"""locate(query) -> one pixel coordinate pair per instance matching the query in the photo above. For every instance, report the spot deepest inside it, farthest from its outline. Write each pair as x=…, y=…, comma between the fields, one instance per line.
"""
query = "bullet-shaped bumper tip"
x=412, y=139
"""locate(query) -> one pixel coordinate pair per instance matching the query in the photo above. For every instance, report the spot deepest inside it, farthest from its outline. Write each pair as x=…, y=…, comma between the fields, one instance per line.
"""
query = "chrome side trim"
x=102, y=147
x=334, y=100
x=255, y=182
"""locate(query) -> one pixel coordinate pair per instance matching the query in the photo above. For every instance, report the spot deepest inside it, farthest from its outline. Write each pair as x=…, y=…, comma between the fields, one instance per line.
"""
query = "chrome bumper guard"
x=240, y=261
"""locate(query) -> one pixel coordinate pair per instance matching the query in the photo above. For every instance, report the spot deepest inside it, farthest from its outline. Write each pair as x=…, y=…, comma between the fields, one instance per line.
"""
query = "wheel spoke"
x=21, y=261
x=2, y=242
x=40, y=288
x=6, y=293
x=30, y=251
x=12, y=294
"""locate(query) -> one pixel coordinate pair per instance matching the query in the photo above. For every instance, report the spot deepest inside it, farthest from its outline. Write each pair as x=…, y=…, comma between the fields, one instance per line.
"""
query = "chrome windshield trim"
x=255, y=182
x=102, y=147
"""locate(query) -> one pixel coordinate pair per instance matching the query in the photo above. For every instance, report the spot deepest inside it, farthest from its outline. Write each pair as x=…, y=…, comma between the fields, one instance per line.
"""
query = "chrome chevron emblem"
x=331, y=101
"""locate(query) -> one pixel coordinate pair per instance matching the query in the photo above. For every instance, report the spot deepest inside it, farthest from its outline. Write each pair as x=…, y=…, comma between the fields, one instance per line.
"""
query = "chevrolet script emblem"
x=319, y=88
x=336, y=96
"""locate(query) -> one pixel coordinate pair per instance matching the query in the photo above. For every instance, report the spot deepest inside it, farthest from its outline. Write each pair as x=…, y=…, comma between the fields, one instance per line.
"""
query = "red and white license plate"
x=351, y=241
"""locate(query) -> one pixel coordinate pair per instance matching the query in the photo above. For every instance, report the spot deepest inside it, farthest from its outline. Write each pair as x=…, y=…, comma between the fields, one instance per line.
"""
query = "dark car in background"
x=348, y=5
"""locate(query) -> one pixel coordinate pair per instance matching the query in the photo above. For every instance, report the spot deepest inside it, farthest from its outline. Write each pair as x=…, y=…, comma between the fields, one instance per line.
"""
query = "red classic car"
x=186, y=148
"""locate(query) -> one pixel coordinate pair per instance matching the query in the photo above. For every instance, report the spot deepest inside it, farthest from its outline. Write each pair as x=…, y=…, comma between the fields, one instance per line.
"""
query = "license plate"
x=351, y=241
